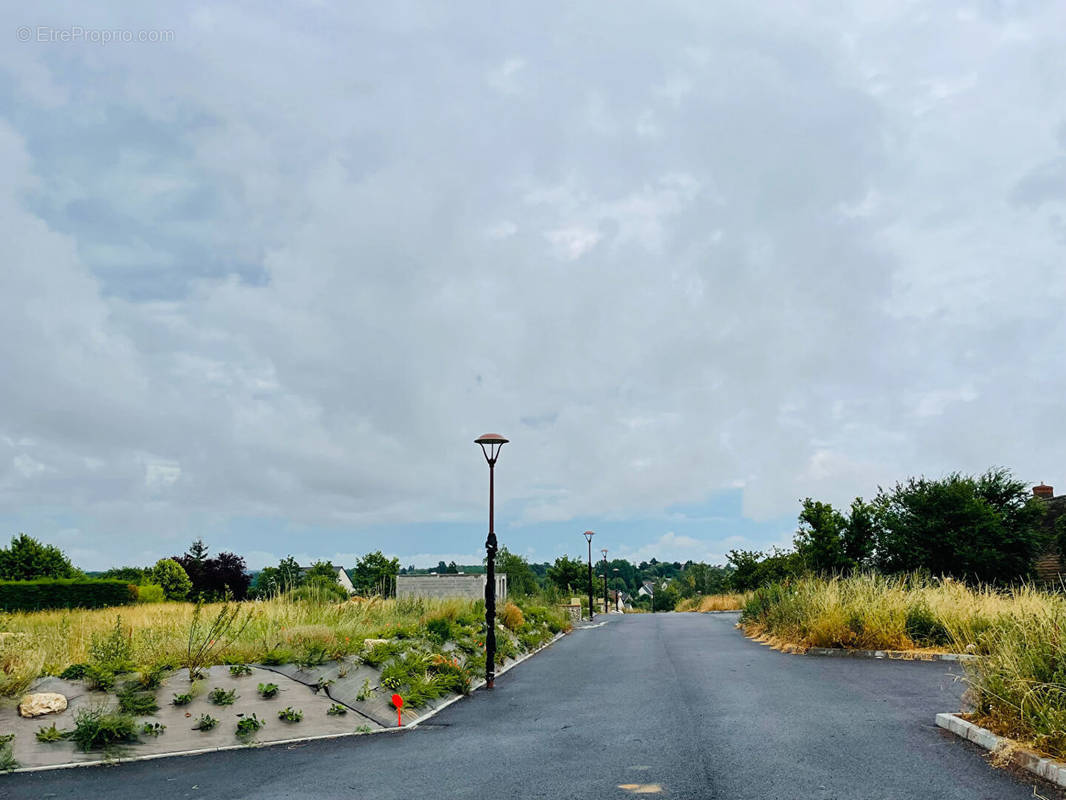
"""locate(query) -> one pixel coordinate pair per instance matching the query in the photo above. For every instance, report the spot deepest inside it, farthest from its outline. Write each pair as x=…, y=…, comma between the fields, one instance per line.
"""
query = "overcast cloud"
x=266, y=282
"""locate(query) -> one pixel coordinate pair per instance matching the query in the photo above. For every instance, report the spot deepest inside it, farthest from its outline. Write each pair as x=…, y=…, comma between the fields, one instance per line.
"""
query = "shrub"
x=268, y=690
x=64, y=593
x=289, y=714
x=74, y=672
x=238, y=670
x=114, y=651
x=100, y=728
x=511, y=616
x=182, y=699
x=99, y=678
x=248, y=727
x=221, y=697
x=312, y=654
x=924, y=627
x=7, y=757
x=172, y=578
x=136, y=702
x=205, y=638
x=150, y=593
x=205, y=722
x=152, y=677
x=439, y=629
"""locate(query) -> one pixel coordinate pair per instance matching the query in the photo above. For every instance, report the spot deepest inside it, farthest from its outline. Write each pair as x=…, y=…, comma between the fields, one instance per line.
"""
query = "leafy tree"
x=137, y=575
x=442, y=568
x=752, y=569
x=373, y=573
x=170, y=575
x=666, y=596
x=26, y=559
x=521, y=580
x=985, y=528
x=322, y=572
x=820, y=538
x=453, y=568
x=224, y=576
x=696, y=579
x=859, y=535
x=289, y=574
x=569, y=575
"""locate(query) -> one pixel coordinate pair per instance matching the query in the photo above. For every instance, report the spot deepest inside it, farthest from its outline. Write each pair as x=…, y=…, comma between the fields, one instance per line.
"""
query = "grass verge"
x=715, y=602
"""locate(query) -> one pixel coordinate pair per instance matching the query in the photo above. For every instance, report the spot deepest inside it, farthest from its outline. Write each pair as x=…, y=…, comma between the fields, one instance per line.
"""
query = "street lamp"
x=494, y=442
x=617, y=595
x=588, y=537
x=604, y=551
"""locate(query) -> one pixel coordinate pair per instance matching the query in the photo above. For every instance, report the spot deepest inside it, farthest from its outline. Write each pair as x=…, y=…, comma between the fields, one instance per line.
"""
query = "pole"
x=605, y=584
x=490, y=588
x=590, y=579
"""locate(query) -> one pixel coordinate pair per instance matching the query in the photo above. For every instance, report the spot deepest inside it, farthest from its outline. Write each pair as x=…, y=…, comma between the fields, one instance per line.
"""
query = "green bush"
x=136, y=702
x=268, y=690
x=247, y=727
x=172, y=577
x=7, y=757
x=64, y=593
x=150, y=593
x=50, y=734
x=205, y=722
x=439, y=629
x=220, y=697
x=924, y=627
x=99, y=728
x=289, y=714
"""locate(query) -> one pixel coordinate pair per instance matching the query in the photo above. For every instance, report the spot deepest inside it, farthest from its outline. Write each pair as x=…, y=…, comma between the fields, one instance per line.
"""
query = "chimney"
x=1043, y=491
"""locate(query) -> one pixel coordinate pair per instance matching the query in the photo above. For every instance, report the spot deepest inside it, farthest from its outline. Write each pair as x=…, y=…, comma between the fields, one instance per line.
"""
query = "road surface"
x=670, y=705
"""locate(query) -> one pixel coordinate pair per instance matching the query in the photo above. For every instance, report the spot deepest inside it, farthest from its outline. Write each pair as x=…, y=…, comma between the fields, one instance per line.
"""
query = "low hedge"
x=65, y=593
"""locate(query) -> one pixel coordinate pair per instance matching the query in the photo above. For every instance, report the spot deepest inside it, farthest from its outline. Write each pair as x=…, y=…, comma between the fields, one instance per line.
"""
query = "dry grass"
x=715, y=602
x=46, y=642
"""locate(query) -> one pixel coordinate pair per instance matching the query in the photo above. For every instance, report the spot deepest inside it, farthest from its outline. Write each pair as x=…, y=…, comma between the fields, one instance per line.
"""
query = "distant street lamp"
x=618, y=592
x=588, y=537
x=604, y=551
x=494, y=442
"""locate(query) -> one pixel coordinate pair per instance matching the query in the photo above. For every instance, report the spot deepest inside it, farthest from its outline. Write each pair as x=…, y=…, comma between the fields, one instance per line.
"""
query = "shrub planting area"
x=144, y=677
x=1017, y=683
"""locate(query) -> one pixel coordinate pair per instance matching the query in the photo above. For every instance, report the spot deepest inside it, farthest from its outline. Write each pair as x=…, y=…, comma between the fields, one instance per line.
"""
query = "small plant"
x=391, y=682
x=289, y=714
x=248, y=727
x=136, y=702
x=182, y=699
x=7, y=757
x=364, y=691
x=337, y=710
x=51, y=734
x=312, y=654
x=237, y=670
x=363, y=729
x=100, y=728
x=206, y=638
x=100, y=678
x=268, y=690
x=321, y=684
x=153, y=729
x=113, y=652
x=74, y=672
x=220, y=697
x=205, y=722
x=152, y=677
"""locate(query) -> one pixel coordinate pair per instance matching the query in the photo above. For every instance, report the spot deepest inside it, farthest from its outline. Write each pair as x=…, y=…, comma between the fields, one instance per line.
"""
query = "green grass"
x=101, y=728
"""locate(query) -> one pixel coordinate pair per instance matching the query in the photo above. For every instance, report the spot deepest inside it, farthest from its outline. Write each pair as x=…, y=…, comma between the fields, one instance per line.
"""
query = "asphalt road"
x=681, y=702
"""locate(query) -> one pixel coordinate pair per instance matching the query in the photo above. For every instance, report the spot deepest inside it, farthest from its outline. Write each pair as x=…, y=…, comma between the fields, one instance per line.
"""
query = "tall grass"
x=282, y=629
x=1018, y=683
x=715, y=602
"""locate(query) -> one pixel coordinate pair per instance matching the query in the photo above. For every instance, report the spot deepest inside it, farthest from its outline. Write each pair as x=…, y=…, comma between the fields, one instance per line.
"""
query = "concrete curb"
x=1047, y=768
x=896, y=655
x=298, y=740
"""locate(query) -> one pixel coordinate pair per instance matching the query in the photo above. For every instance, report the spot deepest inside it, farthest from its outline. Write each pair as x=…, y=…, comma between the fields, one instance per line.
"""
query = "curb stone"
x=899, y=655
x=297, y=740
x=1049, y=769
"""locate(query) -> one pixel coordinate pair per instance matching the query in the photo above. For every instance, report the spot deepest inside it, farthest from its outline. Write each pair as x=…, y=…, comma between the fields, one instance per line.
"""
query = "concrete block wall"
x=444, y=585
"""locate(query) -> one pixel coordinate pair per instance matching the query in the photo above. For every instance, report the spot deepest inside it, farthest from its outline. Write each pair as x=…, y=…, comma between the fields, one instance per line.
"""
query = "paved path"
x=678, y=701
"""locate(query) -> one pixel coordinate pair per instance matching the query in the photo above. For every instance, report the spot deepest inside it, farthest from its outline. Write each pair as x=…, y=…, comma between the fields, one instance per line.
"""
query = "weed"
x=135, y=702
x=153, y=729
x=511, y=616
x=337, y=710
x=363, y=729
x=7, y=757
x=113, y=652
x=289, y=714
x=101, y=728
x=268, y=690
x=220, y=697
x=51, y=734
x=391, y=682
x=364, y=691
x=248, y=727
x=312, y=654
x=152, y=677
x=237, y=670
x=74, y=672
x=320, y=684
x=205, y=639
x=100, y=678
x=205, y=722
x=182, y=699
x=439, y=629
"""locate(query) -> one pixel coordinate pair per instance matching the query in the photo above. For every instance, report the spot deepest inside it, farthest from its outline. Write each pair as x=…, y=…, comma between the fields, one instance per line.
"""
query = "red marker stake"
x=398, y=702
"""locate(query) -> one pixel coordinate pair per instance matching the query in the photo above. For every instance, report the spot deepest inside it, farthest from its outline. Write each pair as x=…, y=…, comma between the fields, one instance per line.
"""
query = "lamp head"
x=588, y=536
x=494, y=442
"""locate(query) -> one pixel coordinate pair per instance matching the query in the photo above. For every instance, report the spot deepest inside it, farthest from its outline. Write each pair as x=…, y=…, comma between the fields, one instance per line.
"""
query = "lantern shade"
x=494, y=442
x=490, y=438
x=588, y=535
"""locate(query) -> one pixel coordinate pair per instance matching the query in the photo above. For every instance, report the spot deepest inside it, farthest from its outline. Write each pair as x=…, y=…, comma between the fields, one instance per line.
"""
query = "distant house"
x=1049, y=564
x=449, y=585
x=647, y=589
x=342, y=578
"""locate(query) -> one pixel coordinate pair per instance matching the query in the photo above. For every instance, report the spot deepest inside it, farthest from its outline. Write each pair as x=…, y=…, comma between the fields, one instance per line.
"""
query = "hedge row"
x=64, y=593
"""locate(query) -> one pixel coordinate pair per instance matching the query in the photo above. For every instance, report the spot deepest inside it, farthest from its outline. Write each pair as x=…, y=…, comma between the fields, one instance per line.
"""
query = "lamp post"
x=588, y=537
x=604, y=551
x=617, y=592
x=494, y=442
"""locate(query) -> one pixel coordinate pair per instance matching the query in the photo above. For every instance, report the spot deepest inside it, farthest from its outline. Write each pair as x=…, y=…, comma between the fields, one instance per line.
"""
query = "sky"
x=266, y=277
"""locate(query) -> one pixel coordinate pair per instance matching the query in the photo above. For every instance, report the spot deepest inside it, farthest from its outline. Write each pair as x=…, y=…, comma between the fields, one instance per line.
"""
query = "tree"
x=859, y=535
x=321, y=572
x=137, y=575
x=169, y=574
x=985, y=528
x=26, y=559
x=820, y=538
x=752, y=569
x=521, y=580
x=215, y=578
x=374, y=573
x=569, y=574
